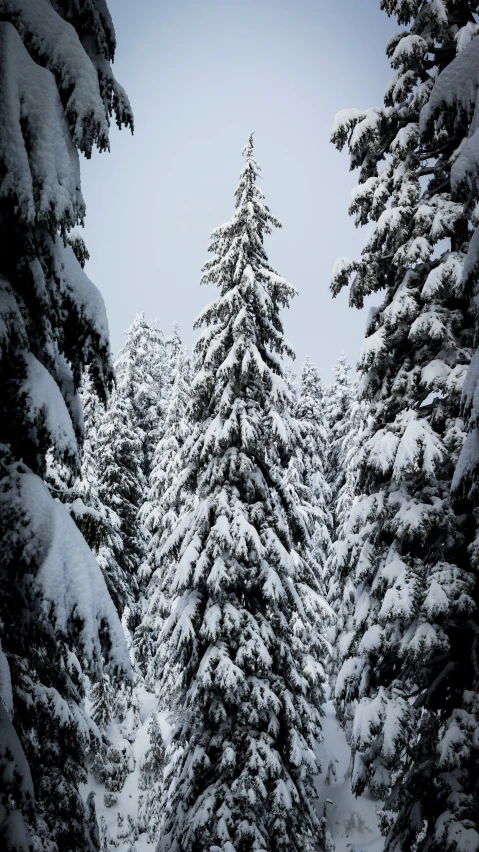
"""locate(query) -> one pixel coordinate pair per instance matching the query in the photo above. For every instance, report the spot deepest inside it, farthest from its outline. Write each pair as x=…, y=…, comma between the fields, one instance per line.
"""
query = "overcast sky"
x=202, y=74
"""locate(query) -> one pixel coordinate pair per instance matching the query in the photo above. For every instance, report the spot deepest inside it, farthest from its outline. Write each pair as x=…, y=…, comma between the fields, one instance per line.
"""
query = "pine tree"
x=102, y=701
x=404, y=544
x=173, y=347
x=310, y=414
x=107, y=843
x=338, y=402
x=452, y=112
x=325, y=835
x=152, y=766
x=166, y=504
x=242, y=636
x=345, y=428
x=121, y=486
x=305, y=477
x=57, y=622
x=343, y=592
x=142, y=377
x=95, y=516
x=93, y=830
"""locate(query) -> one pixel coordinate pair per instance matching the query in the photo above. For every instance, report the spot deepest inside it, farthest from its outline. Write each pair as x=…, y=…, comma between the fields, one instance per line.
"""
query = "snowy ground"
x=353, y=822
x=127, y=803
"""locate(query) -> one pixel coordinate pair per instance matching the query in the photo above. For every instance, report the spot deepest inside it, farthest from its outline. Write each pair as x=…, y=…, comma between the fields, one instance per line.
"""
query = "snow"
x=409, y=47
x=15, y=773
x=372, y=347
x=365, y=126
x=457, y=86
x=69, y=577
x=471, y=261
x=414, y=250
x=398, y=601
x=390, y=220
x=405, y=138
x=84, y=294
x=54, y=43
x=46, y=158
x=372, y=639
x=418, y=443
x=345, y=118
x=441, y=275
x=353, y=822
x=464, y=35
x=350, y=671
x=44, y=400
x=402, y=307
x=467, y=459
x=128, y=798
x=382, y=449
x=430, y=324
x=435, y=374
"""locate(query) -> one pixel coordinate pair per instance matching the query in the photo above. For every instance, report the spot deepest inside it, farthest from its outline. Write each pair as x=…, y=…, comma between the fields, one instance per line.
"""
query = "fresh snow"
x=69, y=576
x=353, y=822
x=127, y=802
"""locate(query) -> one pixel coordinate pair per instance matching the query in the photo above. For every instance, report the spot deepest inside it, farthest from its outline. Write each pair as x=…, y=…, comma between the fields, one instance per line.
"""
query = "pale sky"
x=202, y=74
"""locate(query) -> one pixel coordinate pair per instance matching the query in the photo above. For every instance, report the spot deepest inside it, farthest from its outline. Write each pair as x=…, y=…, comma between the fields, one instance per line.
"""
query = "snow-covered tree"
x=325, y=833
x=95, y=517
x=452, y=111
x=173, y=347
x=142, y=377
x=107, y=842
x=404, y=544
x=342, y=590
x=121, y=488
x=312, y=444
x=166, y=503
x=93, y=830
x=242, y=636
x=99, y=524
x=338, y=400
x=152, y=766
x=101, y=697
x=56, y=619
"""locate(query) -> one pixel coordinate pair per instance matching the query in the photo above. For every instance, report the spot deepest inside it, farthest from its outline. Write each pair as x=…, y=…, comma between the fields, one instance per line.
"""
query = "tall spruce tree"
x=96, y=518
x=342, y=589
x=57, y=96
x=121, y=488
x=142, y=377
x=452, y=111
x=165, y=506
x=313, y=441
x=405, y=545
x=339, y=398
x=242, y=636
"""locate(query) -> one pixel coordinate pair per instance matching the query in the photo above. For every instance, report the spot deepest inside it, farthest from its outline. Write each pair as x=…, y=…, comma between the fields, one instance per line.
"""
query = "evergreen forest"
x=239, y=604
